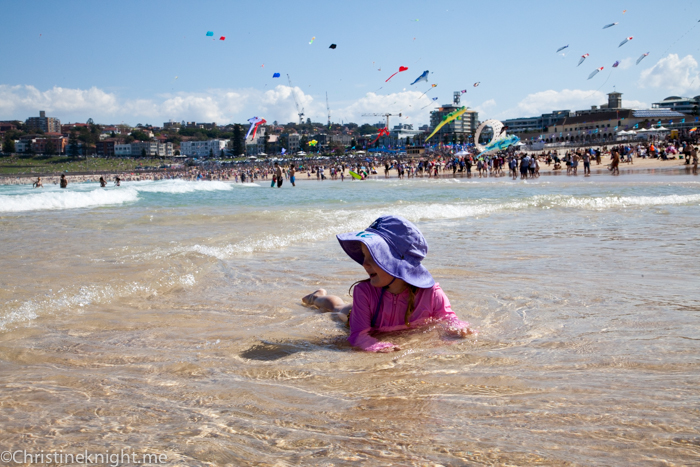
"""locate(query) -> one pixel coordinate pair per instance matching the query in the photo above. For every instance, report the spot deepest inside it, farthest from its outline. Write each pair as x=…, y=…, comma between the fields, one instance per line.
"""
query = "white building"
x=213, y=147
x=151, y=148
x=23, y=145
x=123, y=150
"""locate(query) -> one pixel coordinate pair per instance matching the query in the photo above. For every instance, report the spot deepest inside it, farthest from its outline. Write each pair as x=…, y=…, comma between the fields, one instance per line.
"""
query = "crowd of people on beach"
x=521, y=165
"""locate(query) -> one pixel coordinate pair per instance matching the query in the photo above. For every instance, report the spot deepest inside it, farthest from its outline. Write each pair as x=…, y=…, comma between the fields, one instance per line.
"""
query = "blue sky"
x=118, y=61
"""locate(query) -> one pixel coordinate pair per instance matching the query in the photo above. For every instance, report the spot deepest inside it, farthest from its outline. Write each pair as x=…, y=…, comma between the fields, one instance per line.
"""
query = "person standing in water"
x=103, y=183
x=64, y=181
x=292, y=173
x=38, y=183
x=399, y=293
x=279, y=175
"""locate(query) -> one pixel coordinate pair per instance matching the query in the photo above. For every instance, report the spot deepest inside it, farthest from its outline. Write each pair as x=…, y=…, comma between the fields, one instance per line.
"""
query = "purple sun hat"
x=396, y=245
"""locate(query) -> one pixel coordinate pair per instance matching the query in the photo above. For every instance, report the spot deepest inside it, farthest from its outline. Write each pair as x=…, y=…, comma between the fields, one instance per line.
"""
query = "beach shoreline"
x=638, y=166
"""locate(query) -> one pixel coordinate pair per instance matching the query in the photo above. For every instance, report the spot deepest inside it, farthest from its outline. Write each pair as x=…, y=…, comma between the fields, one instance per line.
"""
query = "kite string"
x=674, y=42
x=606, y=80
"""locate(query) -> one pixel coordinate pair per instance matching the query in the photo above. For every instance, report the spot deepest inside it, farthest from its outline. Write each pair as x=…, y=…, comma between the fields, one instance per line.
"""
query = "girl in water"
x=399, y=294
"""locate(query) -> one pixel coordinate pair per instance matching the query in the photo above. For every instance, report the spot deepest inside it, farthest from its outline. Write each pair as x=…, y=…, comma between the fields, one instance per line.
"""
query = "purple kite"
x=615, y=65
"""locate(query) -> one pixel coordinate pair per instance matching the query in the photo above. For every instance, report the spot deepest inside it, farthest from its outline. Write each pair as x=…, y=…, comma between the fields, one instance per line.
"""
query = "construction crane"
x=329, y=110
x=383, y=115
x=294, y=95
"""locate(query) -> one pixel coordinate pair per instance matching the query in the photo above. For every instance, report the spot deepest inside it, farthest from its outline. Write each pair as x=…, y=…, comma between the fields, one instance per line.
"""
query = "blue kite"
x=422, y=77
x=276, y=75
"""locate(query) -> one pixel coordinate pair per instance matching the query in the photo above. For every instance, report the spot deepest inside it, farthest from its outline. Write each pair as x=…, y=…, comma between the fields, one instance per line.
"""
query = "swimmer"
x=38, y=183
x=64, y=181
x=103, y=183
x=117, y=181
x=399, y=294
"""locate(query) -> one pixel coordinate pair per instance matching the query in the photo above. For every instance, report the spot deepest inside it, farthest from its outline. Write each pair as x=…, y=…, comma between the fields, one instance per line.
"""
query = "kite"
x=222, y=38
x=692, y=130
x=313, y=142
x=562, y=48
x=615, y=65
x=422, y=77
x=625, y=41
x=312, y=40
x=583, y=57
x=255, y=122
x=447, y=119
x=276, y=75
x=624, y=11
x=333, y=46
x=401, y=68
x=464, y=91
x=595, y=72
x=501, y=144
x=284, y=151
x=642, y=58
x=210, y=33
x=477, y=83
x=415, y=20
x=435, y=98
x=382, y=132
x=609, y=25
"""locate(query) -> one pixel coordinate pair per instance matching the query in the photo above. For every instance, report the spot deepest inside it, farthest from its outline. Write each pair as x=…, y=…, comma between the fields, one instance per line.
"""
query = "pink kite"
x=401, y=68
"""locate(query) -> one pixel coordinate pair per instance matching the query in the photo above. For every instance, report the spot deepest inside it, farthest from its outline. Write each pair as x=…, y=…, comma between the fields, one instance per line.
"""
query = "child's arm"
x=361, y=323
x=443, y=311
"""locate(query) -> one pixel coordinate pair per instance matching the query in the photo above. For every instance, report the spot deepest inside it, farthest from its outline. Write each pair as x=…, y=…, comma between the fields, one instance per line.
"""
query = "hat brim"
x=417, y=276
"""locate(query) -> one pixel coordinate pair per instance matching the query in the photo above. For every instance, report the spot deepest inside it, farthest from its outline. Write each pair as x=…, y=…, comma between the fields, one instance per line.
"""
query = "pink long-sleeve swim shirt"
x=429, y=304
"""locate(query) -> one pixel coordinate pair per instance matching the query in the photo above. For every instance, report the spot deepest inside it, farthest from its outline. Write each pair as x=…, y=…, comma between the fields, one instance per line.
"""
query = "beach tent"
x=301, y=153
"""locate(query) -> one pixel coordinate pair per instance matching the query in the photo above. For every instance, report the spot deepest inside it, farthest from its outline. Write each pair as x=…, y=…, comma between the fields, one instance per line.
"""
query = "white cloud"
x=218, y=105
x=626, y=63
x=409, y=104
x=17, y=99
x=547, y=101
x=484, y=107
x=676, y=75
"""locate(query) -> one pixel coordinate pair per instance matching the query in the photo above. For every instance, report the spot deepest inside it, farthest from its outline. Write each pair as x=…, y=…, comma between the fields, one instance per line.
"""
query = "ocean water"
x=165, y=317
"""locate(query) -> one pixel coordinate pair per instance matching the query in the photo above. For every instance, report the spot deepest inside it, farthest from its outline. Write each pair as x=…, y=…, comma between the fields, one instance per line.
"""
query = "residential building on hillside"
x=44, y=123
x=105, y=148
x=123, y=150
x=50, y=144
x=212, y=147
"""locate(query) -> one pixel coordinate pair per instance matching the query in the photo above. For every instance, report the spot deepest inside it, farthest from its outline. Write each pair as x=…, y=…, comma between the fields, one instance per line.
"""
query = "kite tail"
x=387, y=80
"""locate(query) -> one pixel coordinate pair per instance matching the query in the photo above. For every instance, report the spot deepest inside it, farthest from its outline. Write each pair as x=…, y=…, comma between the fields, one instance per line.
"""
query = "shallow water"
x=164, y=317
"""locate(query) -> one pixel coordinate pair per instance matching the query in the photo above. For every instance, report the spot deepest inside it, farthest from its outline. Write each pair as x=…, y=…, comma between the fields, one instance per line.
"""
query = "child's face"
x=377, y=276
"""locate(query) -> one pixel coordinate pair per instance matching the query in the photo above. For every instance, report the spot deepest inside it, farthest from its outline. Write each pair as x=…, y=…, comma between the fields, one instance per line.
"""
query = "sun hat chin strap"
x=379, y=303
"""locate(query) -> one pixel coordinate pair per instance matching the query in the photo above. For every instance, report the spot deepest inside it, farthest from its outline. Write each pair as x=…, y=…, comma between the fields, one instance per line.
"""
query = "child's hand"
x=393, y=348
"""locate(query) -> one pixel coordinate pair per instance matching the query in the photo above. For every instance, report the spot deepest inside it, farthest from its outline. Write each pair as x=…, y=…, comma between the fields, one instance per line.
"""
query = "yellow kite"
x=447, y=119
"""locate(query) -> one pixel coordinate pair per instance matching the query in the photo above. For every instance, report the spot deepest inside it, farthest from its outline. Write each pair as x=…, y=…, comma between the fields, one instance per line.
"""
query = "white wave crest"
x=52, y=200
x=179, y=186
x=91, y=195
x=347, y=220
